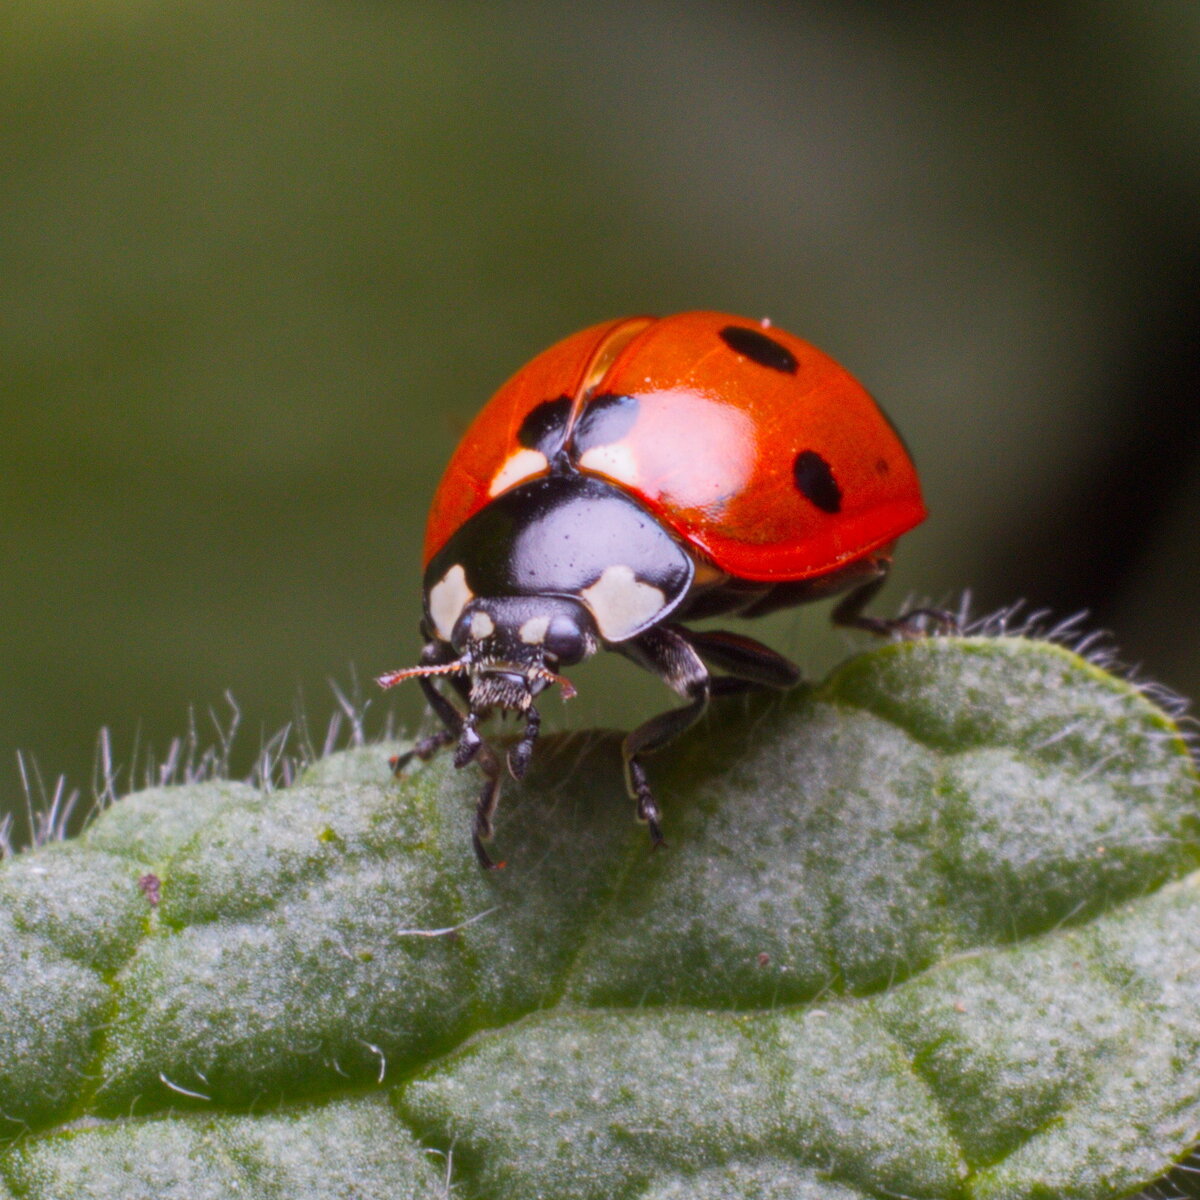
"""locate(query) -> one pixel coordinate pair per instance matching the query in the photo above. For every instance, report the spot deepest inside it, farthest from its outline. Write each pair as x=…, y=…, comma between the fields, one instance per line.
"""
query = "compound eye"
x=565, y=641
x=475, y=625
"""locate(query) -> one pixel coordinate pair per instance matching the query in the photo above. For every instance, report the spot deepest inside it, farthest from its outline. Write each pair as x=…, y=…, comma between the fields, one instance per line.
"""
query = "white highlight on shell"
x=615, y=461
x=447, y=598
x=520, y=466
x=482, y=626
x=533, y=632
x=621, y=603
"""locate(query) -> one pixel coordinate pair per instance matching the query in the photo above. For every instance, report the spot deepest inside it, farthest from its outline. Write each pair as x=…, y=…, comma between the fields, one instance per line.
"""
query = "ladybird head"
x=511, y=648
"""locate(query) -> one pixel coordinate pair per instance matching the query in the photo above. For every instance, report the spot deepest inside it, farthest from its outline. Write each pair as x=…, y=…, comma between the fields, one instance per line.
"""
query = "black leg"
x=471, y=747
x=469, y=741
x=912, y=624
x=647, y=807
x=435, y=654
x=485, y=808
x=522, y=752
x=423, y=751
x=747, y=661
x=676, y=656
x=667, y=653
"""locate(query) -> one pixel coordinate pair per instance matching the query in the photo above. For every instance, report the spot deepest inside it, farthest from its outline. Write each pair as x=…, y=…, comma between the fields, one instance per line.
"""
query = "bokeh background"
x=261, y=260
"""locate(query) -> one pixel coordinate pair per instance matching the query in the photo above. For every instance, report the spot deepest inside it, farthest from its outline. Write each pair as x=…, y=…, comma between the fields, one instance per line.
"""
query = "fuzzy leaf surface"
x=931, y=928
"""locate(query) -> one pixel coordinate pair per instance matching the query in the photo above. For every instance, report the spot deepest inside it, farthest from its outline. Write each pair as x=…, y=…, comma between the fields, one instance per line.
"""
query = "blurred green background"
x=260, y=262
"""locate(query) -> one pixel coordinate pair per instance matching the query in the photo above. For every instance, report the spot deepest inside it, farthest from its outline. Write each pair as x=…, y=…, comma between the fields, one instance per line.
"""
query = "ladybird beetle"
x=637, y=475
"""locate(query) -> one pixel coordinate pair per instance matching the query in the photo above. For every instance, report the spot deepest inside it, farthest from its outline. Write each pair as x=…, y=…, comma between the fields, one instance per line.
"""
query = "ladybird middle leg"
x=749, y=663
x=676, y=656
x=666, y=652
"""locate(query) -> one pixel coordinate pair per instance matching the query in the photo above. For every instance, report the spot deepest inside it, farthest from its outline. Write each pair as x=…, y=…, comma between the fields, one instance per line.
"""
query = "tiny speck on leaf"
x=151, y=888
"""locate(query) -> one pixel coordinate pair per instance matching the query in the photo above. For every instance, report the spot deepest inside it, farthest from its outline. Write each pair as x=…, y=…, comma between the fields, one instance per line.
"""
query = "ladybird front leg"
x=435, y=654
x=914, y=623
x=472, y=748
x=469, y=740
x=483, y=828
x=423, y=750
x=667, y=653
x=520, y=754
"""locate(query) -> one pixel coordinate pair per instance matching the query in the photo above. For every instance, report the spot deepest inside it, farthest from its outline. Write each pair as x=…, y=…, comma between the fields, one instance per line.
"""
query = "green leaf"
x=931, y=928
x=343, y=1148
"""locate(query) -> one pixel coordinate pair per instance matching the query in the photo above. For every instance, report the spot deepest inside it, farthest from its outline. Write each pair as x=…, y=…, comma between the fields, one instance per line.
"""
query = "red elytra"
x=713, y=451
x=635, y=477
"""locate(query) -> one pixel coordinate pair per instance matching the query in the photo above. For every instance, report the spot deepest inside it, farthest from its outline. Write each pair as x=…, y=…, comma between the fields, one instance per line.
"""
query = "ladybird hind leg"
x=914, y=623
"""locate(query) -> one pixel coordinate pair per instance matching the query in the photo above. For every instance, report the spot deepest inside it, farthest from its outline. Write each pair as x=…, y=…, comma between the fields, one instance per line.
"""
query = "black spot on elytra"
x=814, y=478
x=605, y=419
x=545, y=427
x=759, y=348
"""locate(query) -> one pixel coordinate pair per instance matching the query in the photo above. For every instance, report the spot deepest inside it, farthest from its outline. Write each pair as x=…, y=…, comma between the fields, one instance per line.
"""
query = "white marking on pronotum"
x=621, y=603
x=615, y=461
x=482, y=626
x=519, y=467
x=533, y=632
x=182, y=1090
x=447, y=598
